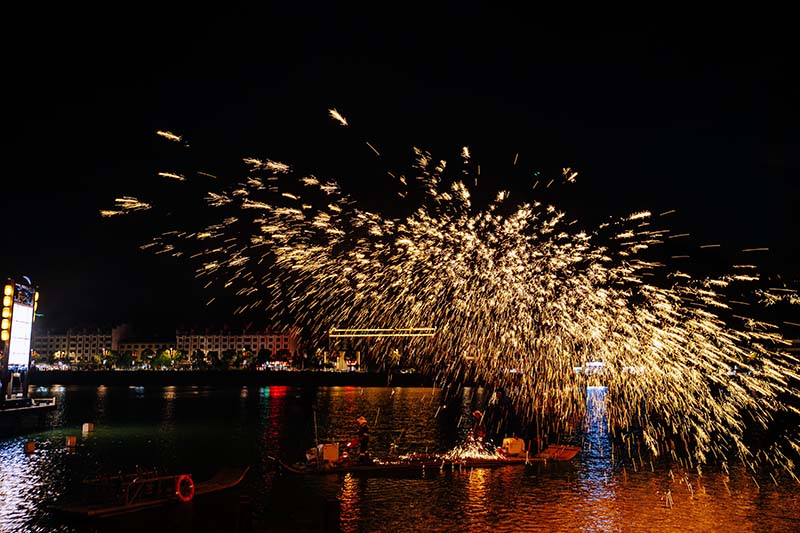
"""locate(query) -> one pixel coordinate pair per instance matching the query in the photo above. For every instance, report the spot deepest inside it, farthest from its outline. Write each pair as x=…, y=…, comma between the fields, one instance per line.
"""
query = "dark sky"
x=695, y=115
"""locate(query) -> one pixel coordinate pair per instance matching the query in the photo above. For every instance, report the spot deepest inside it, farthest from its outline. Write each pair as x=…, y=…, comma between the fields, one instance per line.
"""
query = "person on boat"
x=363, y=440
x=478, y=432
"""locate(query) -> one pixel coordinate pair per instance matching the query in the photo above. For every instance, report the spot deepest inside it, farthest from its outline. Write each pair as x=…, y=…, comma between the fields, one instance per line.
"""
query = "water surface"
x=199, y=429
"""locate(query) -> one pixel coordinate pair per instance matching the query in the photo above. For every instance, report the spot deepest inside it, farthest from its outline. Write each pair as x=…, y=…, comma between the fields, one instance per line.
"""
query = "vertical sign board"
x=19, y=347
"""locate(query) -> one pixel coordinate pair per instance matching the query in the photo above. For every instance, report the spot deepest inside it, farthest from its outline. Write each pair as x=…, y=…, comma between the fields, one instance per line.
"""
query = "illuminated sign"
x=19, y=348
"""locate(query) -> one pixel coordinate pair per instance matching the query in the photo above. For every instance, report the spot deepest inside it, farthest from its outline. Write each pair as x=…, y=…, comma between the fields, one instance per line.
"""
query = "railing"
x=120, y=478
x=155, y=488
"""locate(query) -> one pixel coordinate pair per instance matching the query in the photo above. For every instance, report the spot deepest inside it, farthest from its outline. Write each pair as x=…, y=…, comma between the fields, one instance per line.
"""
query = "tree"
x=125, y=359
x=297, y=359
x=110, y=359
x=198, y=359
x=247, y=358
x=179, y=358
x=147, y=356
x=41, y=358
x=229, y=359
x=162, y=360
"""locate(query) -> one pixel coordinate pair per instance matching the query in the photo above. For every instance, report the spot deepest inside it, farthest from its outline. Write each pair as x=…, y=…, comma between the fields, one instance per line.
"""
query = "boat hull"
x=224, y=479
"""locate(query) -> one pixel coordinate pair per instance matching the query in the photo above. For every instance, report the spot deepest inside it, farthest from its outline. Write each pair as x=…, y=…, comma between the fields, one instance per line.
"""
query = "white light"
x=19, y=350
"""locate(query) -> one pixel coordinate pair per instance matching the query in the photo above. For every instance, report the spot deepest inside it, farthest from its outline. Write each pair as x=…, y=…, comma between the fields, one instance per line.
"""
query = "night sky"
x=696, y=116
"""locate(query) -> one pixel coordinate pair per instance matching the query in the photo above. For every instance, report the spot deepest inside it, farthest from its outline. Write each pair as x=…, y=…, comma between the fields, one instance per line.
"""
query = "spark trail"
x=519, y=297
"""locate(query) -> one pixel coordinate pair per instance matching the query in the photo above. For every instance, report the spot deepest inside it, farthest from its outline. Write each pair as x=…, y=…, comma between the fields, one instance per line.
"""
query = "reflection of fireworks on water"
x=519, y=298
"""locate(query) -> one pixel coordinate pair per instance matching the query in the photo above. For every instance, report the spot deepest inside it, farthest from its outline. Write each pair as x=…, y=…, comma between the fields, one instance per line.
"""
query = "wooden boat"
x=429, y=462
x=558, y=452
x=144, y=490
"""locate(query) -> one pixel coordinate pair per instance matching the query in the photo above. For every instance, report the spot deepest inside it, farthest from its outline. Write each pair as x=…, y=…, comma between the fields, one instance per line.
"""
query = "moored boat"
x=114, y=495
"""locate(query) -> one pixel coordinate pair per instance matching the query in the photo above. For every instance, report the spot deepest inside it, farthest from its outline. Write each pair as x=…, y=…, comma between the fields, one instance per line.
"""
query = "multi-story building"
x=80, y=346
x=74, y=346
x=190, y=341
x=138, y=347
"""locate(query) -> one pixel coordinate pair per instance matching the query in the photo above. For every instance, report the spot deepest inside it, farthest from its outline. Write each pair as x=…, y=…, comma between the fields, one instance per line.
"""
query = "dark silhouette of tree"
x=198, y=359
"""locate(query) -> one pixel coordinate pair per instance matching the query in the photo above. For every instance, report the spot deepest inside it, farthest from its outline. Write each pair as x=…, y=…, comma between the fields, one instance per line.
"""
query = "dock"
x=24, y=414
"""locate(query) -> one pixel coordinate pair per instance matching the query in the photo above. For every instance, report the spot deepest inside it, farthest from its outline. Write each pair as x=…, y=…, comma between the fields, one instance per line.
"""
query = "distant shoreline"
x=300, y=378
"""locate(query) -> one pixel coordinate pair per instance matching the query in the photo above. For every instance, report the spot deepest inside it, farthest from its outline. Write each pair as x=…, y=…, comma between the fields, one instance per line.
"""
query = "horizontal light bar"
x=382, y=332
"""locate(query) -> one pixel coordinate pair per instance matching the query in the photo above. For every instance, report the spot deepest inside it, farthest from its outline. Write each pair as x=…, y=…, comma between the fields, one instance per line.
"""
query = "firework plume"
x=519, y=298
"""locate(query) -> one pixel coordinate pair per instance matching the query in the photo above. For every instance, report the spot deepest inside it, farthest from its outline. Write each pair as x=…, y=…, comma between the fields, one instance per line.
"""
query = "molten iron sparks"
x=519, y=298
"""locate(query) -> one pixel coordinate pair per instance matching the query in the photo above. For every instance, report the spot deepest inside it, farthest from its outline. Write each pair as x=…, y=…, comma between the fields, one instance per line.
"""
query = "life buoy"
x=184, y=488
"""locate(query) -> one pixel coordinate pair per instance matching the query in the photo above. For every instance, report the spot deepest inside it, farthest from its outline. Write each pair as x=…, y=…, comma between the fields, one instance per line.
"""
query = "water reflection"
x=56, y=417
x=271, y=412
x=28, y=481
x=199, y=429
x=166, y=427
x=100, y=404
x=477, y=496
x=352, y=492
x=598, y=487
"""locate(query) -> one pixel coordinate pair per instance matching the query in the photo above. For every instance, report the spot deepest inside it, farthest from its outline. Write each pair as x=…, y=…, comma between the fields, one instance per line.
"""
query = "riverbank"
x=299, y=378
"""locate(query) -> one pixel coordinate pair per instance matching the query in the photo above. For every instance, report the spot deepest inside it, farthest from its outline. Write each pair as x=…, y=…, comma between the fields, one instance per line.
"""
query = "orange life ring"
x=184, y=488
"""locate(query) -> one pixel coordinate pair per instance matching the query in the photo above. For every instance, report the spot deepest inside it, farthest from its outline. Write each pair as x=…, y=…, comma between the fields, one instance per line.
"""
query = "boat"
x=119, y=494
x=423, y=462
x=558, y=452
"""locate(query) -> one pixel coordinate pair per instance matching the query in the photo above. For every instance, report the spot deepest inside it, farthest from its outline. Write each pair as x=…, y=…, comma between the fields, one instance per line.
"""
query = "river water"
x=200, y=429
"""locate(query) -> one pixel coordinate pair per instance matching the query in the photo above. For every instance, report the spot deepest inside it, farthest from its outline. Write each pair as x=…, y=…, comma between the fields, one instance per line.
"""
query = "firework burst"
x=519, y=298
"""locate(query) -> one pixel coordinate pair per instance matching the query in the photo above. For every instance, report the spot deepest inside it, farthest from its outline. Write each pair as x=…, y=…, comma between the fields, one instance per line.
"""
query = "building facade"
x=82, y=346
x=190, y=341
x=74, y=346
x=137, y=348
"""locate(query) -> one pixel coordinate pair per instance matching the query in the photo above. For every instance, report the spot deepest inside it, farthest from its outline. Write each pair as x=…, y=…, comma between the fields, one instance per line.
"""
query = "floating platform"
x=18, y=415
x=420, y=463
